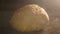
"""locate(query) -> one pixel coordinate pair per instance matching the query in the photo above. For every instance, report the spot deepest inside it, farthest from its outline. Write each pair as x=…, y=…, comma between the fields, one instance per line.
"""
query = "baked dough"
x=31, y=17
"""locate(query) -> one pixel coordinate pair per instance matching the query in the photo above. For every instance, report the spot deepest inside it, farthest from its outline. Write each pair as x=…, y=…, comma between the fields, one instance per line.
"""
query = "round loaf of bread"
x=31, y=17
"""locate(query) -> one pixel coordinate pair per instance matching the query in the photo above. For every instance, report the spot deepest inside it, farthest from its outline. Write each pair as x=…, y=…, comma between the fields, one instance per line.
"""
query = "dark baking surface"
x=51, y=6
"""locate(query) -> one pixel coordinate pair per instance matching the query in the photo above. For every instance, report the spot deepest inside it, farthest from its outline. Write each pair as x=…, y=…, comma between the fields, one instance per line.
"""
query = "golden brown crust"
x=29, y=18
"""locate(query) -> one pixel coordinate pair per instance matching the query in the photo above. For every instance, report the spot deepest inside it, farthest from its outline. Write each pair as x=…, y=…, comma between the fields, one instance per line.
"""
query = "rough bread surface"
x=31, y=17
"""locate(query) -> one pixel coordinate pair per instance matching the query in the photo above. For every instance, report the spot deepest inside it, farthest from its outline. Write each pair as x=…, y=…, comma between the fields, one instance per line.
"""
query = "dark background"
x=7, y=8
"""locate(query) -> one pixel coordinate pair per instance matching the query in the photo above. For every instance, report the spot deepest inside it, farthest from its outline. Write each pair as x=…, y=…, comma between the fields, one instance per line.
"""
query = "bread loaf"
x=31, y=17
